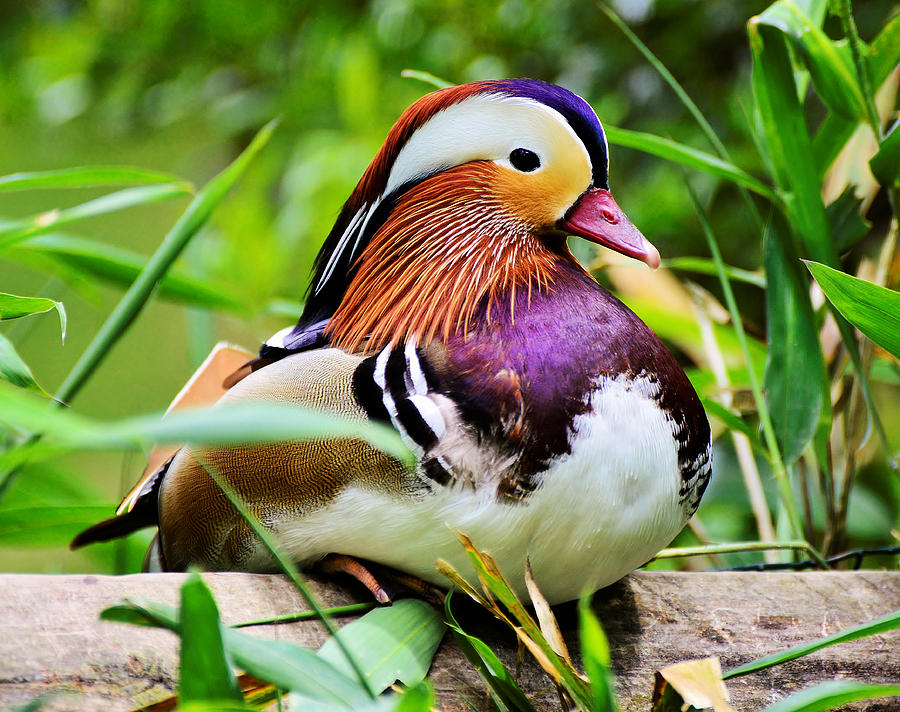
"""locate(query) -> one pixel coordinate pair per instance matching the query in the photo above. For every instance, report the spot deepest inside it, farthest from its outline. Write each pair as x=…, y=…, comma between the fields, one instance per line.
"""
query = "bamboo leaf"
x=285, y=665
x=205, y=674
x=847, y=223
x=787, y=141
x=87, y=177
x=527, y=630
x=15, y=231
x=832, y=695
x=885, y=164
x=226, y=425
x=121, y=267
x=835, y=131
x=687, y=156
x=179, y=236
x=15, y=370
x=15, y=307
x=503, y=687
x=830, y=64
x=390, y=644
x=873, y=309
x=795, y=380
x=48, y=525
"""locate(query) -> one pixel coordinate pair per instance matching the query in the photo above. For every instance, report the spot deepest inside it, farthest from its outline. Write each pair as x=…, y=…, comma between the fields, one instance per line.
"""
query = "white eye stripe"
x=362, y=229
x=481, y=127
x=338, y=250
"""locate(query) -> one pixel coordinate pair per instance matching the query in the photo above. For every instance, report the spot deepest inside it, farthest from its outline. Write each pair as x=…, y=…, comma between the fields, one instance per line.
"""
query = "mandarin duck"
x=547, y=420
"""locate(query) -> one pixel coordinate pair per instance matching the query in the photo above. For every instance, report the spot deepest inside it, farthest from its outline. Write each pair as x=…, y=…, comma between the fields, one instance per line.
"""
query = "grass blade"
x=227, y=425
x=503, y=687
x=121, y=267
x=832, y=695
x=15, y=231
x=873, y=309
x=179, y=236
x=880, y=625
x=426, y=77
x=775, y=457
x=14, y=369
x=284, y=664
x=704, y=265
x=48, y=525
x=87, y=177
x=595, y=657
x=289, y=568
x=205, y=674
x=690, y=157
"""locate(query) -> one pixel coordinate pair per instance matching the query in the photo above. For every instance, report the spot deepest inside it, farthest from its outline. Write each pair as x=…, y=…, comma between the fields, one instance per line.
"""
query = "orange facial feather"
x=449, y=244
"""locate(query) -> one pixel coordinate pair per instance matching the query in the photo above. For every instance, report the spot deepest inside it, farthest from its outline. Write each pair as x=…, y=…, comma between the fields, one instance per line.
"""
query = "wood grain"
x=51, y=640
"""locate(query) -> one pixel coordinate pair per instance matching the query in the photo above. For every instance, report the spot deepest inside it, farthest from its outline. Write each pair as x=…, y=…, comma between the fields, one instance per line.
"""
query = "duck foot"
x=362, y=571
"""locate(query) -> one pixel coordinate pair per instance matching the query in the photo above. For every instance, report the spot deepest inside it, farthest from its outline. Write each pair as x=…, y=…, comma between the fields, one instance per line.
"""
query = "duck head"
x=469, y=199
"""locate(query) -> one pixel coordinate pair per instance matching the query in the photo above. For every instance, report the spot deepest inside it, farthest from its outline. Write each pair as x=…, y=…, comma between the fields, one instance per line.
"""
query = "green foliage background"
x=181, y=86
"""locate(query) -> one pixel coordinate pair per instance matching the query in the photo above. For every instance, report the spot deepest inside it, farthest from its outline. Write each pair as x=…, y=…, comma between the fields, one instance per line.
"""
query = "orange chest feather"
x=451, y=243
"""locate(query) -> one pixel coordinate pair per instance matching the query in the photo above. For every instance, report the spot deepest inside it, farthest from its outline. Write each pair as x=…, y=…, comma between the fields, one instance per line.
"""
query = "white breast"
x=598, y=513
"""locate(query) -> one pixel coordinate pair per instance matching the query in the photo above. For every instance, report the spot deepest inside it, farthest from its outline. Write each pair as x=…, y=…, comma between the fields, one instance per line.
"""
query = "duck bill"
x=598, y=218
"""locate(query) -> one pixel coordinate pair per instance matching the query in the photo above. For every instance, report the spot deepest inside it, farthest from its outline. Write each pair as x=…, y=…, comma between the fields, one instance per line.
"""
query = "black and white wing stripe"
x=398, y=387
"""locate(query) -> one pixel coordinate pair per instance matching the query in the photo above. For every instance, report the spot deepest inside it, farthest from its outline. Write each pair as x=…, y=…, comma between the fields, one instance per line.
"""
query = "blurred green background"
x=181, y=86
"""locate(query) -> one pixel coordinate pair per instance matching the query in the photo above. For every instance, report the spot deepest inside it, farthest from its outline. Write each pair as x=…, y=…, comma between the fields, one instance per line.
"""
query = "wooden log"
x=51, y=641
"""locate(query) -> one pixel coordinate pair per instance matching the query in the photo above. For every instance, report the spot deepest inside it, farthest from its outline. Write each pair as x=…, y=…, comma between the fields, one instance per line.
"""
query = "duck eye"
x=524, y=160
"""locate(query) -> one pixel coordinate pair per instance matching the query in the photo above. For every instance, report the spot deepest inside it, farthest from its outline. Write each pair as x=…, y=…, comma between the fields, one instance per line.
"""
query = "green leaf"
x=285, y=665
x=226, y=425
x=214, y=706
x=17, y=230
x=787, y=141
x=133, y=301
x=389, y=644
x=205, y=674
x=847, y=223
x=503, y=687
x=87, y=177
x=880, y=625
x=832, y=695
x=596, y=658
x=15, y=370
x=15, y=307
x=48, y=525
x=121, y=267
x=687, y=156
x=733, y=422
x=795, y=380
x=835, y=131
x=829, y=63
x=885, y=164
x=872, y=309
x=417, y=698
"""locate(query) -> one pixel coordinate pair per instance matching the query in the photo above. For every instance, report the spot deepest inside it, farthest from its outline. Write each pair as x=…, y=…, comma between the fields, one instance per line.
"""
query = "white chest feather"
x=598, y=513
